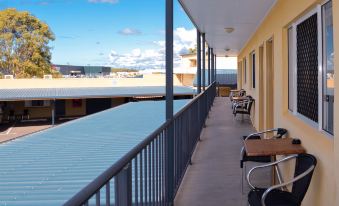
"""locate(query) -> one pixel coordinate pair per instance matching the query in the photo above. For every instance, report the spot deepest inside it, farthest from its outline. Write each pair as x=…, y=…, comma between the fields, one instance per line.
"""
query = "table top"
x=270, y=147
x=239, y=98
x=235, y=90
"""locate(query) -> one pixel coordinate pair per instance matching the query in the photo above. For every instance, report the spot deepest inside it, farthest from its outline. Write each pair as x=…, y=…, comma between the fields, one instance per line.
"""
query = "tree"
x=24, y=50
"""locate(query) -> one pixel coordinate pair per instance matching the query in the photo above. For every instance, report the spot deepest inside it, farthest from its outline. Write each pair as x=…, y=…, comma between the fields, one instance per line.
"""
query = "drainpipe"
x=169, y=180
x=203, y=61
x=198, y=62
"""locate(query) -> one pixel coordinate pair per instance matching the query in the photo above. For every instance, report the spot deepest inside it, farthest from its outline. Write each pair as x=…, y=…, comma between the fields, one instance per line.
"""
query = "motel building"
x=200, y=151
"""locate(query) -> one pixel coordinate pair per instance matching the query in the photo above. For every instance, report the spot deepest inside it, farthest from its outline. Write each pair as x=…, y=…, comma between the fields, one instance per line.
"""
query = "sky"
x=117, y=33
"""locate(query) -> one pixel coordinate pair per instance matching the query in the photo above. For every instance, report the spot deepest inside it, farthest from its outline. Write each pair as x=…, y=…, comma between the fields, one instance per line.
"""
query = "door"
x=269, y=117
x=60, y=108
x=261, y=88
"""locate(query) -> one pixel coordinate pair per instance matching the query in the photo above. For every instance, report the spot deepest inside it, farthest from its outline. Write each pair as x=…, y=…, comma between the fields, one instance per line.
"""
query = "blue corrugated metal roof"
x=224, y=77
x=91, y=92
x=49, y=167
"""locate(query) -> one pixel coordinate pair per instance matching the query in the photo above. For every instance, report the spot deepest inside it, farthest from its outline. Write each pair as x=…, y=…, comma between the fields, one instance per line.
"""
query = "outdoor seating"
x=237, y=93
x=243, y=106
x=277, y=133
x=277, y=194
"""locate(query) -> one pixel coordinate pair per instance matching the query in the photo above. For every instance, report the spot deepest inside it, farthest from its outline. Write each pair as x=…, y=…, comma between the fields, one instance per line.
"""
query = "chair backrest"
x=249, y=103
x=242, y=93
x=303, y=163
x=25, y=112
x=280, y=133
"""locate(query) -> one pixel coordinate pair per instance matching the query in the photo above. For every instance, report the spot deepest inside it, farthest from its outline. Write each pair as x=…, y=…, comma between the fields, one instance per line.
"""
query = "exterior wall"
x=147, y=80
x=34, y=112
x=323, y=188
x=71, y=111
x=186, y=79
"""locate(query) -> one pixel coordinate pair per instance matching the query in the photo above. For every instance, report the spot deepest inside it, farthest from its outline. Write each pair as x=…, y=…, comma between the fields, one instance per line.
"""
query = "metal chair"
x=11, y=115
x=243, y=107
x=279, y=133
x=276, y=195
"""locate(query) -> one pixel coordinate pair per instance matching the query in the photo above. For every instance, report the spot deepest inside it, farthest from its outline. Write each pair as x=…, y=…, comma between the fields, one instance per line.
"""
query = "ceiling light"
x=227, y=49
x=229, y=30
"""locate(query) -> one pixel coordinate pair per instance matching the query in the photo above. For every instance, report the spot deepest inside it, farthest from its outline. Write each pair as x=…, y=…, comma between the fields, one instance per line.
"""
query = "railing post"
x=123, y=187
x=198, y=62
x=169, y=141
x=203, y=62
x=209, y=65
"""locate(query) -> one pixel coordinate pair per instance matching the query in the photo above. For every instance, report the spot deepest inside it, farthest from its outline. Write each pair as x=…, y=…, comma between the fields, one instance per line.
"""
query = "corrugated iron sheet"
x=49, y=167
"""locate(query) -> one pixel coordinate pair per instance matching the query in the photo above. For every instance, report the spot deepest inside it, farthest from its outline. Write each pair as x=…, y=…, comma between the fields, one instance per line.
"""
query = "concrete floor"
x=215, y=176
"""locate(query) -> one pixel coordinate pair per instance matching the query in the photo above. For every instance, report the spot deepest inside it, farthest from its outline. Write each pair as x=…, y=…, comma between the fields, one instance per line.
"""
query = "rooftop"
x=49, y=167
x=88, y=92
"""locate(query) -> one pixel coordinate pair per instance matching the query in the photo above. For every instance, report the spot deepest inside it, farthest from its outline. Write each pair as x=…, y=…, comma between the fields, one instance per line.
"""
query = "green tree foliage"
x=24, y=50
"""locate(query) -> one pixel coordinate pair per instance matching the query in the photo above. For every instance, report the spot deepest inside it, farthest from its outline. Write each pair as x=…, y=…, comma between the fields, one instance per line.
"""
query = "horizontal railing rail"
x=140, y=176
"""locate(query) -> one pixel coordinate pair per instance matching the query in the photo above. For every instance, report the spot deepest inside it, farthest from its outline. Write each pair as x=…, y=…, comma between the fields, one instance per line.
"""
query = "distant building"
x=82, y=71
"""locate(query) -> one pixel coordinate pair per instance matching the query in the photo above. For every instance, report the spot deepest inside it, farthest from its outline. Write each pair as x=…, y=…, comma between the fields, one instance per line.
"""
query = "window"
x=245, y=70
x=291, y=74
x=253, y=69
x=37, y=103
x=328, y=68
x=311, y=69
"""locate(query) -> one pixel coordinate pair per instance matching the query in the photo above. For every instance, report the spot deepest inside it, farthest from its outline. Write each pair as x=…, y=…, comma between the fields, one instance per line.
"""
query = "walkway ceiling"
x=213, y=16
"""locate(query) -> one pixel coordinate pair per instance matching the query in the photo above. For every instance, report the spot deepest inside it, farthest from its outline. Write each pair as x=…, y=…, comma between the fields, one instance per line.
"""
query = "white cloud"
x=129, y=31
x=155, y=58
x=104, y=1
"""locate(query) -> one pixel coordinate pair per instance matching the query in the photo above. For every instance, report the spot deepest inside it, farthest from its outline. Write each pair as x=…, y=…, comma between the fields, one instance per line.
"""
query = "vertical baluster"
x=108, y=194
x=157, y=169
x=97, y=198
x=153, y=172
x=162, y=169
x=141, y=181
x=149, y=175
x=136, y=181
x=145, y=176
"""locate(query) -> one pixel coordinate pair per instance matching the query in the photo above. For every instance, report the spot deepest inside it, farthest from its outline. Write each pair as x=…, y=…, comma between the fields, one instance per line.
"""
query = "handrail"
x=93, y=187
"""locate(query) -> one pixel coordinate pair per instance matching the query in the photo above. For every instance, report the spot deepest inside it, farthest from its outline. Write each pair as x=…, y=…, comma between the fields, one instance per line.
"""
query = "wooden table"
x=270, y=147
x=273, y=147
x=239, y=98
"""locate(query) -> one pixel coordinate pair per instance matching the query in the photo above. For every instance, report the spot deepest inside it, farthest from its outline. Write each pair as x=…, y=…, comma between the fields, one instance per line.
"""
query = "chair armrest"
x=262, y=132
x=248, y=177
x=268, y=190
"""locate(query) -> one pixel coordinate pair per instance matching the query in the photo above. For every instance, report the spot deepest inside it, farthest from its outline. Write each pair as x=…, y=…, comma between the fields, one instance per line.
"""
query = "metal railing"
x=141, y=176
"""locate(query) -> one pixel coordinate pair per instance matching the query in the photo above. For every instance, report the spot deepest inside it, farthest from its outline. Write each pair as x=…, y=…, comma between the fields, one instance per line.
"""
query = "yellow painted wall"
x=323, y=189
x=34, y=112
x=71, y=111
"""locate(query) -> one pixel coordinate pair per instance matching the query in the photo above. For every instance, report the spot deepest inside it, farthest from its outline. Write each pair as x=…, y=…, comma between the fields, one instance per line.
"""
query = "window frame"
x=318, y=125
x=253, y=67
x=245, y=70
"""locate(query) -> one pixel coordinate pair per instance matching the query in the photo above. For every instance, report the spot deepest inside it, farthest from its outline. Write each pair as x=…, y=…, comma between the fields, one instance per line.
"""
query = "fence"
x=145, y=175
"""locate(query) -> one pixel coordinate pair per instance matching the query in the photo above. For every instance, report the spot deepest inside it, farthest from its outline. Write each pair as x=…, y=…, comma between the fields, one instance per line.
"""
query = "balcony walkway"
x=215, y=176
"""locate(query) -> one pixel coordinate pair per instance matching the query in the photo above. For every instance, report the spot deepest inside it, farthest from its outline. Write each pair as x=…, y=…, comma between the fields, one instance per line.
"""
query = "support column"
x=53, y=111
x=215, y=66
x=209, y=65
x=198, y=62
x=169, y=180
x=212, y=65
x=203, y=62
